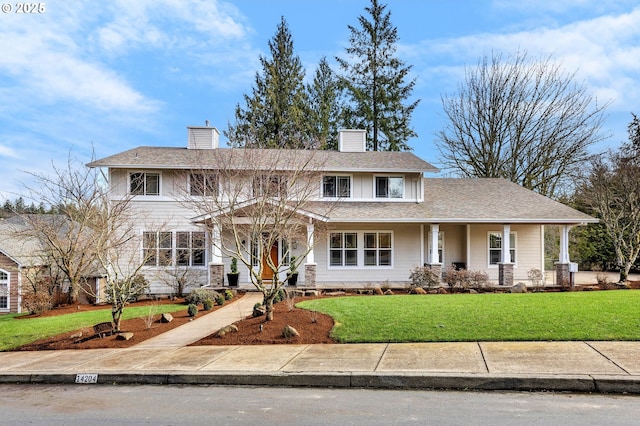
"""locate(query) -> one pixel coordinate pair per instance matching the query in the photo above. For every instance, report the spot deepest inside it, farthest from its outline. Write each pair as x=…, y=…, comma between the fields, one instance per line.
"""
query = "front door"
x=267, y=272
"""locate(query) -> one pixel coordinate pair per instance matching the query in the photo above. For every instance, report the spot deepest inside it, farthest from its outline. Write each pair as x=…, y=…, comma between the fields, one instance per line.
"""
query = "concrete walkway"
x=204, y=325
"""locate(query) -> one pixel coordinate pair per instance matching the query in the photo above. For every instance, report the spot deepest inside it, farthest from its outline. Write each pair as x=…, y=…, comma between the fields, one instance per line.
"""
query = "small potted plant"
x=232, y=277
x=292, y=276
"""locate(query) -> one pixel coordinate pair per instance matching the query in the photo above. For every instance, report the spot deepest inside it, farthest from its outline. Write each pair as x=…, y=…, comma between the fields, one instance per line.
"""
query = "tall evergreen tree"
x=324, y=97
x=375, y=80
x=276, y=113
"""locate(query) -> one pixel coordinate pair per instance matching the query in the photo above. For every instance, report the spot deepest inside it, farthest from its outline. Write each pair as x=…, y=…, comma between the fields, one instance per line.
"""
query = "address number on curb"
x=86, y=378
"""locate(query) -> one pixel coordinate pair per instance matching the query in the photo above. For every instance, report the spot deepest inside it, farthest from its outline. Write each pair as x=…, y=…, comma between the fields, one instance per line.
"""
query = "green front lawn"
x=597, y=315
x=17, y=332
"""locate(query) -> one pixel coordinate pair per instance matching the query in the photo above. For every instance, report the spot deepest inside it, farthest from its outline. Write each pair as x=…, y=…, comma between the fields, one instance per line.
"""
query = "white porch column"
x=433, y=243
x=310, y=243
x=216, y=253
x=421, y=244
x=564, y=244
x=506, y=243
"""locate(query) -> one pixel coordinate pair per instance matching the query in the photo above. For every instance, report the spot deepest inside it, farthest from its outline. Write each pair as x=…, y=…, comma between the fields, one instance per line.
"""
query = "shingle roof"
x=286, y=159
x=465, y=201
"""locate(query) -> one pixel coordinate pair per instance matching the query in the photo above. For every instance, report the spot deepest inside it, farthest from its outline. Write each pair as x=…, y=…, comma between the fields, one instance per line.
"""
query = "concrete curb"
x=391, y=380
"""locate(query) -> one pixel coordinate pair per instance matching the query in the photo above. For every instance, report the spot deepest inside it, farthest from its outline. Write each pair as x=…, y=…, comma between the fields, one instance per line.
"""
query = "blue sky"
x=113, y=75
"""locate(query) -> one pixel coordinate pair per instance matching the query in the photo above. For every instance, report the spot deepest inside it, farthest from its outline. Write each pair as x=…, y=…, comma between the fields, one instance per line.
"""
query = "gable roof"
x=147, y=157
x=25, y=251
x=459, y=200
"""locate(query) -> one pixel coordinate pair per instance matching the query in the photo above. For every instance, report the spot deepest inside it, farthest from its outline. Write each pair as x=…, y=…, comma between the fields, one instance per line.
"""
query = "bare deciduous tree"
x=259, y=203
x=527, y=122
x=612, y=190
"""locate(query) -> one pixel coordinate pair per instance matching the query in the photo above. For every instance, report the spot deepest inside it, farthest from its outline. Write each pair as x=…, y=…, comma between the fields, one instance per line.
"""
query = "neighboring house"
x=388, y=218
x=24, y=258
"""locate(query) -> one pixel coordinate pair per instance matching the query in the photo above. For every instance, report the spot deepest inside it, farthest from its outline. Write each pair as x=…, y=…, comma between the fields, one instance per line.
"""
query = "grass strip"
x=598, y=315
x=17, y=332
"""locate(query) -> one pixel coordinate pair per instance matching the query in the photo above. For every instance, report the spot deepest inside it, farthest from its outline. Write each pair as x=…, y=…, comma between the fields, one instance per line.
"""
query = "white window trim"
x=8, y=308
x=514, y=248
x=206, y=174
x=145, y=196
x=360, y=250
x=349, y=197
x=375, y=197
x=174, y=250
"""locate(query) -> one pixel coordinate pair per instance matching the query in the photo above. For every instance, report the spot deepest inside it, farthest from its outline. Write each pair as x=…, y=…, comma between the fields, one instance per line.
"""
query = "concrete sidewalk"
x=611, y=367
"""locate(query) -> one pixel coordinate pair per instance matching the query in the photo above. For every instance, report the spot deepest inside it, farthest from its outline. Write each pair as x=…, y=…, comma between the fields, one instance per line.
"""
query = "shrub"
x=207, y=304
x=192, y=310
x=280, y=296
x=228, y=294
x=220, y=299
x=535, y=276
x=37, y=303
x=423, y=276
x=462, y=279
x=199, y=295
x=257, y=305
x=603, y=281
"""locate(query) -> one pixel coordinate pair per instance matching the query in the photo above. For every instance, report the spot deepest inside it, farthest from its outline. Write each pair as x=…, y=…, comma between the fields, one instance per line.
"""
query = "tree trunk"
x=268, y=304
x=624, y=272
x=116, y=315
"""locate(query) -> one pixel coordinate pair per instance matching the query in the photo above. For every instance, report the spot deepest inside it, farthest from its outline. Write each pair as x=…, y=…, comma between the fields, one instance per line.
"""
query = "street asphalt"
x=606, y=367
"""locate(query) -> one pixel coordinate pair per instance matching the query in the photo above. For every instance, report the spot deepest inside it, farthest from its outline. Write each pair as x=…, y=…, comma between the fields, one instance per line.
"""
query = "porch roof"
x=457, y=200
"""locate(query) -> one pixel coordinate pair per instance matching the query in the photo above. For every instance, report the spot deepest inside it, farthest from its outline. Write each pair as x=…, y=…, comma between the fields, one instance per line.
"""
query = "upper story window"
x=270, y=186
x=4, y=290
x=336, y=186
x=144, y=183
x=495, y=248
x=389, y=187
x=203, y=184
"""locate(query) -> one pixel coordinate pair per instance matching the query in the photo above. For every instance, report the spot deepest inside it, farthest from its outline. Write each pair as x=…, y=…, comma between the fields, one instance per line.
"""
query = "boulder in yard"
x=166, y=317
x=289, y=331
x=125, y=336
x=519, y=288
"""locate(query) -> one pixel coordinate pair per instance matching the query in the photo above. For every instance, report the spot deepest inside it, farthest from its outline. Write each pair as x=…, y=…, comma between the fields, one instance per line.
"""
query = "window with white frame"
x=159, y=250
x=336, y=187
x=343, y=249
x=389, y=186
x=4, y=290
x=495, y=248
x=144, y=183
x=203, y=184
x=270, y=186
x=377, y=248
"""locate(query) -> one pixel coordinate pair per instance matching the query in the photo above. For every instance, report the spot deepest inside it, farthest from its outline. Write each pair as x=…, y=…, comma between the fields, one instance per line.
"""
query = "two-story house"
x=386, y=218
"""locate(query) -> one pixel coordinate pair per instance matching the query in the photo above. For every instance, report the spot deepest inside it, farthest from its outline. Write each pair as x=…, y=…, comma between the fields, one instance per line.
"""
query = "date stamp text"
x=24, y=8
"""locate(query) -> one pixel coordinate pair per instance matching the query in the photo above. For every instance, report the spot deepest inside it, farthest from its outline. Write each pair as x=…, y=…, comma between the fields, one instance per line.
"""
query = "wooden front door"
x=267, y=273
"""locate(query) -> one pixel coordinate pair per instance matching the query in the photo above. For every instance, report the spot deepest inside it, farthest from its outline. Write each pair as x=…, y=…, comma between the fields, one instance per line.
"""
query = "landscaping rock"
x=312, y=293
x=442, y=290
x=418, y=290
x=124, y=336
x=75, y=336
x=388, y=292
x=378, y=291
x=519, y=288
x=166, y=317
x=336, y=293
x=473, y=291
x=227, y=329
x=289, y=331
x=259, y=311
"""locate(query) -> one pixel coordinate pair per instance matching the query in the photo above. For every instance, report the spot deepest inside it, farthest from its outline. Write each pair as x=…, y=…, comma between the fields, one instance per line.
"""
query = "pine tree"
x=375, y=82
x=324, y=97
x=276, y=114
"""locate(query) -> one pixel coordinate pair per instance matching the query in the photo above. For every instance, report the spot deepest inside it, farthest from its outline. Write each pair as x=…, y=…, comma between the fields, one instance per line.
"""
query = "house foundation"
x=505, y=274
